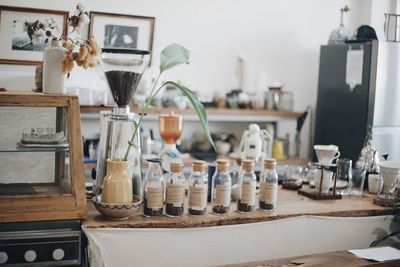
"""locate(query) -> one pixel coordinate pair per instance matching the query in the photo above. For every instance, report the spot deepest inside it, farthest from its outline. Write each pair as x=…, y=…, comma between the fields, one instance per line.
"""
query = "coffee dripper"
x=170, y=130
x=123, y=70
x=390, y=171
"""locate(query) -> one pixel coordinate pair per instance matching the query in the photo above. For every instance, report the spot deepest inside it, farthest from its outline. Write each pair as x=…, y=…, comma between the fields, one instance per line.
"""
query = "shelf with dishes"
x=213, y=114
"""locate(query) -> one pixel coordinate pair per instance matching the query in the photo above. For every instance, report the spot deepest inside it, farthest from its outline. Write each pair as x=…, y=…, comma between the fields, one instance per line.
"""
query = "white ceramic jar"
x=54, y=79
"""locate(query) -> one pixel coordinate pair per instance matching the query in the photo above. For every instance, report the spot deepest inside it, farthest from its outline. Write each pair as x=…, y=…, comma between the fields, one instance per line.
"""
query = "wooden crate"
x=52, y=203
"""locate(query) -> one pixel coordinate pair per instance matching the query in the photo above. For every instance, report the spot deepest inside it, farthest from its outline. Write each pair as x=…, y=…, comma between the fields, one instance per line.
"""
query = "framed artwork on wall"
x=23, y=33
x=122, y=31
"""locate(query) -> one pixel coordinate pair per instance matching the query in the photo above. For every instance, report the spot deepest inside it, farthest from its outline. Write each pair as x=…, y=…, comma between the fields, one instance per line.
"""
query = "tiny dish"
x=117, y=211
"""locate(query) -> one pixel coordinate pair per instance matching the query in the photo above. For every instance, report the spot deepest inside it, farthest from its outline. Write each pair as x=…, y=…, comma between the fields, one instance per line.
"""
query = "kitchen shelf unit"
x=62, y=198
x=213, y=114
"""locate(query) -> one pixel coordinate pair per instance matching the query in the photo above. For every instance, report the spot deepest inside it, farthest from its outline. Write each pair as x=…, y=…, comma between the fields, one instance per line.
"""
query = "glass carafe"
x=123, y=69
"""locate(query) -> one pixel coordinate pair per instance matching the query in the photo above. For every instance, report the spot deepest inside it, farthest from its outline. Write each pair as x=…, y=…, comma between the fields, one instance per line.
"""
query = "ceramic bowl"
x=222, y=147
x=117, y=211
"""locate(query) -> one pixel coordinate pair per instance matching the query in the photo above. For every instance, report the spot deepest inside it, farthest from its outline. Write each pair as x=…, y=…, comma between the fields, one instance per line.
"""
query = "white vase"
x=53, y=78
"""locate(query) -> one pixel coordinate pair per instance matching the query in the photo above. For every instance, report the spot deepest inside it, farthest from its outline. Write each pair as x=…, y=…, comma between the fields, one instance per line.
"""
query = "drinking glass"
x=343, y=176
x=357, y=182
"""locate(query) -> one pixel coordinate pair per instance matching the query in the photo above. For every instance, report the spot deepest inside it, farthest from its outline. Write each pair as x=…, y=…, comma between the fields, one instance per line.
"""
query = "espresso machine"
x=123, y=70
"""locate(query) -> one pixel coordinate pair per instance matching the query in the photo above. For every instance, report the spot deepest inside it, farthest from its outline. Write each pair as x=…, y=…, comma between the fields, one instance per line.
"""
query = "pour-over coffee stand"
x=317, y=193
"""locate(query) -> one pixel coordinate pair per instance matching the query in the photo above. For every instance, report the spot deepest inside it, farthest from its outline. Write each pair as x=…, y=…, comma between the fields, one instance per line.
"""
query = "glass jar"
x=153, y=190
x=246, y=192
x=175, y=191
x=268, y=186
x=198, y=186
x=221, y=188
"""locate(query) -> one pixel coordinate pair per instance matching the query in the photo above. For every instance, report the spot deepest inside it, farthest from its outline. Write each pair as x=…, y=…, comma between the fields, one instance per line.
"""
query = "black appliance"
x=46, y=243
x=342, y=115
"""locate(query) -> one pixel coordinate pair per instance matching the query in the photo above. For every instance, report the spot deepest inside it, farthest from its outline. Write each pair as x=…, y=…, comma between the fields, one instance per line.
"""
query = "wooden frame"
x=107, y=28
x=17, y=45
x=53, y=206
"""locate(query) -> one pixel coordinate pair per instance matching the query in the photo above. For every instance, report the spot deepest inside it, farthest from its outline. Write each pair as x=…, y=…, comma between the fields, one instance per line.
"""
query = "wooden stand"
x=318, y=195
x=384, y=202
x=66, y=198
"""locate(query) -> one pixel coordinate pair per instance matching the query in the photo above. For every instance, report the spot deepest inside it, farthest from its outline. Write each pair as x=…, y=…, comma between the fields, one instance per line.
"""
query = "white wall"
x=282, y=37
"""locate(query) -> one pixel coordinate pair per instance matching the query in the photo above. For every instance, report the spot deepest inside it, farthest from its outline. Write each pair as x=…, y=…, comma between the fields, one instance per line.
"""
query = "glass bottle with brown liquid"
x=175, y=191
x=246, y=198
x=153, y=199
x=198, y=186
x=221, y=188
x=268, y=186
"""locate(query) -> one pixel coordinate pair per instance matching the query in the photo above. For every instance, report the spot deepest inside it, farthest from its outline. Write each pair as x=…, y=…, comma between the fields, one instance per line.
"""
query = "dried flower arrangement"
x=83, y=52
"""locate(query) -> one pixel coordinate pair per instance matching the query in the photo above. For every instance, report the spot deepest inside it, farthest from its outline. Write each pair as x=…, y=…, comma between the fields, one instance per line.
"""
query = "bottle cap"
x=176, y=167
x=269, y=163
x=222, y=164
x=247, y=165
x=199, y=165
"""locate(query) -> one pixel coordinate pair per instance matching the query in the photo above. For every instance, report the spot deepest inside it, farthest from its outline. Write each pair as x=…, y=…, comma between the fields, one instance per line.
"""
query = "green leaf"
x=197, y=106
x=172, y=56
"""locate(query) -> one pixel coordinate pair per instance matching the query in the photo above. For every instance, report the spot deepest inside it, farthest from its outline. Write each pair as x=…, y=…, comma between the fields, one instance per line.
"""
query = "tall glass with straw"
x=123, y=70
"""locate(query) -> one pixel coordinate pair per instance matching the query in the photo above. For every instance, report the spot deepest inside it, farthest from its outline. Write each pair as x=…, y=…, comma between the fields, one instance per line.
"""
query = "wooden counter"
x=331, y=259
x=290, y=204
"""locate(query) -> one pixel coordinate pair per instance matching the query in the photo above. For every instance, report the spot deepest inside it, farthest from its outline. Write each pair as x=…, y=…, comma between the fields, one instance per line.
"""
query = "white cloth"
x=206, y=246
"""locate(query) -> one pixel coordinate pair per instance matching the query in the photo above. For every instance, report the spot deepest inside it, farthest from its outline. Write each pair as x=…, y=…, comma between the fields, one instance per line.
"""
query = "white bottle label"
x=268, y=192
x=155, y=198
x=223, y=194
x=198, y=197
x=175, y=194
x=248, y=194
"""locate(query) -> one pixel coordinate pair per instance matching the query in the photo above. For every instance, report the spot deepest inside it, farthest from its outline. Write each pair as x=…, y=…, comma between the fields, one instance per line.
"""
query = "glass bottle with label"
x=221, y=188
x=175, y=191
x=246, y=198
x=153, y=189
x=268, y=186
x=198, y=186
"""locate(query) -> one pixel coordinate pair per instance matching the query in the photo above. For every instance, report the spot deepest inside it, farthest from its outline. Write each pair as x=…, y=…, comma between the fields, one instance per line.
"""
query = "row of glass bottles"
x=198, y=189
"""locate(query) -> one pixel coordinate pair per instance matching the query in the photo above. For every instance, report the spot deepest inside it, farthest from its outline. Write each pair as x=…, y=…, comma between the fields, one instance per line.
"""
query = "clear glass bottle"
x=268, y=186
x=175, y=191
x=246, y=191
x=198, y=186
x=153, y=190
x=221, y=188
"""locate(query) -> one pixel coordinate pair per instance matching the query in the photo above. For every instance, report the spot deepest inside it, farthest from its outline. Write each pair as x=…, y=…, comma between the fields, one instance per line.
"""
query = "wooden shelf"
x=290, y=204
x=214, y=114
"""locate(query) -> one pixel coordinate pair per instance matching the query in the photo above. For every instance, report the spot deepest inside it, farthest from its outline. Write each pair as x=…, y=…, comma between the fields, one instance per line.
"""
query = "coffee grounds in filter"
x=123, y=85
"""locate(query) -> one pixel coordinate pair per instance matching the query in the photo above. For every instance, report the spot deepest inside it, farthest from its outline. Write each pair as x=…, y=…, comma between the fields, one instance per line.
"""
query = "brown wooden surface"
x=290, y=204
x=54, y=204
x=210, y=111
x=331, y=259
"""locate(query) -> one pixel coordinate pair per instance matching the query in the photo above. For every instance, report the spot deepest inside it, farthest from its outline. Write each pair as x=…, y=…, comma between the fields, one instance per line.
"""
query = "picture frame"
x=122, y=31
x=20, y=45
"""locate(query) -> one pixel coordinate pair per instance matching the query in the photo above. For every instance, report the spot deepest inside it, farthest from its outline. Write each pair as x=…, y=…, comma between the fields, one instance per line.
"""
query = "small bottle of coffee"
x=246, y=198
x=198, y=186
x=175, y=191
x=268, y=186
x=221, y=188
x=153, y=200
